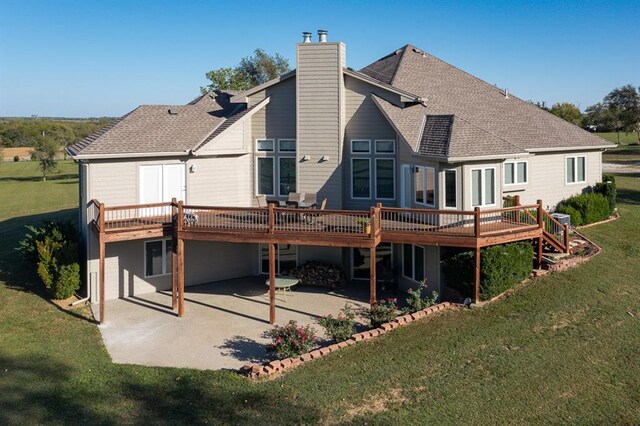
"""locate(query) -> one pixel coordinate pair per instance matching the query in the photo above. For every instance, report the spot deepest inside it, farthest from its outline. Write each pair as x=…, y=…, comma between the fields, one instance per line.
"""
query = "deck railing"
x=354, y=223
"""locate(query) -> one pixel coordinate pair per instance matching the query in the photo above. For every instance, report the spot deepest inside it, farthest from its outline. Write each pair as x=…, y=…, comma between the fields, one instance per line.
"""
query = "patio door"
x=405, y=187
x=286, y=258
x=159, y=183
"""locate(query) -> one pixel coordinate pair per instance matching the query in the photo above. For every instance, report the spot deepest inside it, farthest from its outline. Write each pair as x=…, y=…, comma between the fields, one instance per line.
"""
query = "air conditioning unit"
x=564, y=219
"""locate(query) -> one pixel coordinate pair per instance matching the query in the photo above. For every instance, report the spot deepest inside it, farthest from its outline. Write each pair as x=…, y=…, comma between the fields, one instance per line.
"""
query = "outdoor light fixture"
x=193, y=168
x=306, y=157
x=324, y=158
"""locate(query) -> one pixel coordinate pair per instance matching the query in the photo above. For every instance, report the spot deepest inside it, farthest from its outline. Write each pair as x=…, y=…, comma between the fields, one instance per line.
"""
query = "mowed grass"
x=623, y=154
x=625, y=138
x=562, y=350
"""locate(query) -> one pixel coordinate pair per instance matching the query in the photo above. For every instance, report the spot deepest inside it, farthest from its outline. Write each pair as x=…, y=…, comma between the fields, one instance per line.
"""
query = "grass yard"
x=562, y=350
x=625, y=138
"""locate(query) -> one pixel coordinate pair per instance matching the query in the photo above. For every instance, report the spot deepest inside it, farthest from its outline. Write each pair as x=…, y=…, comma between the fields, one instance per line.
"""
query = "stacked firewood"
x=319, y=274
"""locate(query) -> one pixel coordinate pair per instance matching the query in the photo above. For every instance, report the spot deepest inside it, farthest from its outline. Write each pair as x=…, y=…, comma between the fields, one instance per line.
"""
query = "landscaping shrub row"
x=594, y=206
x=501, y=268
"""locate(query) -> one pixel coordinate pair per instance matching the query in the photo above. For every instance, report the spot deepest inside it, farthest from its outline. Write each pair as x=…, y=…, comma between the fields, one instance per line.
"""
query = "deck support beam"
x=272, y=283
x=539, y=254
x=476, y=296
x=180, y=290
x=372, y=275
x=102, y=253
x=174, y=258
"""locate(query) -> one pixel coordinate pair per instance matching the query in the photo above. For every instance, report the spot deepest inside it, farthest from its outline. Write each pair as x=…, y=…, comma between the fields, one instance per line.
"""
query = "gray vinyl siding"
x=365, y=121
x=233, y=141
x=431, y=266
x=220, y=181
x=278, y=118
x=319, y=120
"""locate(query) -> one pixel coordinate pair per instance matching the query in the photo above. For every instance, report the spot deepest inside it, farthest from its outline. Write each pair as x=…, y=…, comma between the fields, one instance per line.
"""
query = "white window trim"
x=424, y=191
x=286, y=140
x=413, y=263
x=375, y=146
x=351, y=180
x=273, y=166
x=264, y=139
x=260, y=245
x=375, y=180
x=444, y=188
x=495, y=187
x=278, y=175
x=353, y=267
x=515, y=173
x=164, y=260
x=575, y=169
x=359, y=140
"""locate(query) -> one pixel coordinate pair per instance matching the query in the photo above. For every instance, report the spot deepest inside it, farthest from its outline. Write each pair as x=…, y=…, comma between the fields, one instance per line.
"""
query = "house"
x=423, y=150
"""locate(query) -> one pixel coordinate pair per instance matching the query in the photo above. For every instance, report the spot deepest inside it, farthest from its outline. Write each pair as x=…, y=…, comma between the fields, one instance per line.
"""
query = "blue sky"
x=104, y=58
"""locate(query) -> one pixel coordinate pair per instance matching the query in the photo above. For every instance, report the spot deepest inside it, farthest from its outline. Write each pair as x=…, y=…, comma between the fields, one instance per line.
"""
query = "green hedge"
x=501, y=268
x=607, y=188
x=586, y=208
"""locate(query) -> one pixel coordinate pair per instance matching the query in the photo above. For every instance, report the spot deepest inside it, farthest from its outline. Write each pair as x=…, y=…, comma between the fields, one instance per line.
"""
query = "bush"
x=291, y=339
x=607, y=188
x=380, y=312
x=501, y=268
x=585, y=208
x=53, y=249
x=418, y=298
x=16, y=158
x=341, y=328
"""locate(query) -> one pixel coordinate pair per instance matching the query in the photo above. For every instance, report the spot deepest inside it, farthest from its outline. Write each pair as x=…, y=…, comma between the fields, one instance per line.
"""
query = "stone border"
x=576, y=260
x=611, y=218
x=269, y=368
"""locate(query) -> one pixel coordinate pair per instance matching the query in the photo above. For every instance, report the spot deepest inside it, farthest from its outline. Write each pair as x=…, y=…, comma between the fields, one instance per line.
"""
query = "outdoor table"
x=284, y=284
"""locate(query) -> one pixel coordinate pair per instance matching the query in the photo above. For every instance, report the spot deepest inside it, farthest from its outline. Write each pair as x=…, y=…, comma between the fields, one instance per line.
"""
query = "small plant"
x=380, y=312
x=16, y=158
x=291, y=339
x=364, y=221
x=341, y=328
x=418, y=298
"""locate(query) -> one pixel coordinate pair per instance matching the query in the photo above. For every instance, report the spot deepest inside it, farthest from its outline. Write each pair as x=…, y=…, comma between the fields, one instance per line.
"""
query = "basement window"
x=157, y=257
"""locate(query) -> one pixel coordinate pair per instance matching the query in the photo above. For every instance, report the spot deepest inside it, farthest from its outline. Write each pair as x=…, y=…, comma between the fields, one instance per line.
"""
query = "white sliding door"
x=173, y=182
x=159, y=184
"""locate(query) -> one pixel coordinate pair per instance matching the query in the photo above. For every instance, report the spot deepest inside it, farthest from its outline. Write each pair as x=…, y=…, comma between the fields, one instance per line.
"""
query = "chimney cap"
x=306, y=37
x=322, y=36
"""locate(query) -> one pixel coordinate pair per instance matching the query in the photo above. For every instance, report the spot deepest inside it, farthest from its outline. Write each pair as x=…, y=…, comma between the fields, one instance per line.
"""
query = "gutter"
x=571, y=148
x=129, y=155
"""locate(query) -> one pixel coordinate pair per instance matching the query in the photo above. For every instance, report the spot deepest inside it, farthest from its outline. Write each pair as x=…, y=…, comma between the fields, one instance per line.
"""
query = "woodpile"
x=319, y=274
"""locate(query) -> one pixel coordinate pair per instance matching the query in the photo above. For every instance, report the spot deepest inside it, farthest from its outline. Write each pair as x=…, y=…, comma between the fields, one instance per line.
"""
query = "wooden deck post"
x=272, y=283
x=540, y=213
x=272, y=218
x=174, y=255
x=101, y=218
x=372, y=275
x=567, y=249
x=476, y=221
x=476, y=296
x=516, y=200
x=103, y=248
x=180, y=256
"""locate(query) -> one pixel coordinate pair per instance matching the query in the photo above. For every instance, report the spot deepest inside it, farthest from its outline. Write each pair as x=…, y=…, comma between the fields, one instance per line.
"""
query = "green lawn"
x=625, y=138
x=562, y=350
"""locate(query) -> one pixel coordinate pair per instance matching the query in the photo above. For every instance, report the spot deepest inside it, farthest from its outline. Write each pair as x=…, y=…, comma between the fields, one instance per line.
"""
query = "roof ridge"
x=395, y=72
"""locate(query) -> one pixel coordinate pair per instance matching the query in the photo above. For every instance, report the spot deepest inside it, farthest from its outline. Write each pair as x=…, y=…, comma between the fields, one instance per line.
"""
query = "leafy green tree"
x=568, y=112
x=250, y=72
x=624, y=102
x=45, y=153
x=541, y=105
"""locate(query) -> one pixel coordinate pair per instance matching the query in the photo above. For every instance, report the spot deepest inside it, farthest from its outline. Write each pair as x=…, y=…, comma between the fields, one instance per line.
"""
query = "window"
x=450, y=189
x=385, y=147
x=483, y=187
x=413, y=262
x=360, y=146
x=287, y=145
x=265, y=175
x=264, y=145
x=385, y=178
x=286, y=175
x=286, y=258
x=576, y=169
x=515, y=172
x=425, y=186
x=362, y=262
x=157, y=257
x=361, y=180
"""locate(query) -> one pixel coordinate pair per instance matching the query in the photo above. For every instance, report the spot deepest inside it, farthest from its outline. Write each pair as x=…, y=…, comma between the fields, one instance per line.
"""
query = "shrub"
x=16, y=158
x=418, y=298
x=501, y=268
x=607, y=188
x=68, y=281
x=291, y=339
x=380, y=312
x=585, y=208
x=341, y=328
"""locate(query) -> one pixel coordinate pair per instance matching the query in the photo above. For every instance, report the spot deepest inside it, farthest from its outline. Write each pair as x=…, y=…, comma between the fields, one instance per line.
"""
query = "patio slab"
x=222, y=327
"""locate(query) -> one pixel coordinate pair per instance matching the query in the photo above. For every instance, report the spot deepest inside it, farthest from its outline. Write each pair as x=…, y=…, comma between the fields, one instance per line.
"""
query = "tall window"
x=413, y=262
x=287, y=175
x=157, y=257
x=576, y=169
x=483, y=187
x=286, y=258
x=362, y=261
x=361, y=182
x=425, y=184
x=264, y=145
x=515, y=172
x=450, y=189
x=275, y=167
x=385, y=178
x=265, y=175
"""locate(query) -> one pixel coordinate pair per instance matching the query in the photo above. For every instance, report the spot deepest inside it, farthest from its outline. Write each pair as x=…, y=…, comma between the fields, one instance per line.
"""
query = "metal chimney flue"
x=306, y=37
x=322, y=36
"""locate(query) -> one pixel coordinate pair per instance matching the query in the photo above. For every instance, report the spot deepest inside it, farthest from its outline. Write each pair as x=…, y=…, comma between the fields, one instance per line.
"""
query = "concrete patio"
x=222, y=327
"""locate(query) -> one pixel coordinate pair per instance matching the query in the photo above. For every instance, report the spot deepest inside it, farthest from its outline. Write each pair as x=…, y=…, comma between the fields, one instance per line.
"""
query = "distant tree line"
x=618, y=112
x=27, y=132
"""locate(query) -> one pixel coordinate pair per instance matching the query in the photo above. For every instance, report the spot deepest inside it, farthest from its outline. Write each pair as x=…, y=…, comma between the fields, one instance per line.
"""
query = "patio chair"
x=262, y=200
x=294, y=199
x=311, y=198
x=323, y=204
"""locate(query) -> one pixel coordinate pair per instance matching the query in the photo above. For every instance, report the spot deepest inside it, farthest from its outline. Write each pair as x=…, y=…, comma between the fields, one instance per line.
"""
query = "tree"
x=45, y=153
x=568, y=112
x=624, y=102
x=252, y=71
x=600, y=118
x=541, y=105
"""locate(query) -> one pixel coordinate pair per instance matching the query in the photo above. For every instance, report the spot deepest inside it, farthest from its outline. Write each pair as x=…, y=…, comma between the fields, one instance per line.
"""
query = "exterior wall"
x=320, y=95
x=365, y=121
x=220, y=181
x=331, y=255
x=466, y=183
x=432, y=269
x=232, y=141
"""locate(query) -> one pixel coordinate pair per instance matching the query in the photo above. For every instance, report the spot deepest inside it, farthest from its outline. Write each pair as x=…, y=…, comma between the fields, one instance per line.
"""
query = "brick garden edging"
x=277, y=366
x=576, y=260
